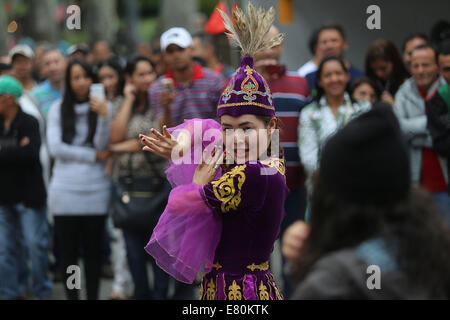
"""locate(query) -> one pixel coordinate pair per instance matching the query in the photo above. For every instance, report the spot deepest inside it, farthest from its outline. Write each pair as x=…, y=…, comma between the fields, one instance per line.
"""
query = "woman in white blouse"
x=331, y=109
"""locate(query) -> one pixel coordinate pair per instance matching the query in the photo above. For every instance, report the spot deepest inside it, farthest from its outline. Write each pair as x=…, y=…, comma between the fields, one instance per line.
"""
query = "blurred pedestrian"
x=204, y=50
x=428, y=169
x=22, y=57
x=23, y=221
x=54, y=66
x=332, y=42
x=384, y=66
x=187, y=90
x=133, y=116
x=437, y=110
x=411, y=42
x=111, y=75
x=330, y=111
x=364, y=89
x=318, y=55
x=78, y=137
x=101, y=50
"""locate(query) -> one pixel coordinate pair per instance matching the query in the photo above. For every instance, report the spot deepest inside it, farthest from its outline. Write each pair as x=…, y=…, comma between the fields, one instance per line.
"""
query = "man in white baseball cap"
x=179, y=36
x=187, y=90
x=22, y=57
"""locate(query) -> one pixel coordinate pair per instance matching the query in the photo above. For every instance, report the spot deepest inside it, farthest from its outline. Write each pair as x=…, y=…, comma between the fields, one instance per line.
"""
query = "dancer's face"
x=246, y=137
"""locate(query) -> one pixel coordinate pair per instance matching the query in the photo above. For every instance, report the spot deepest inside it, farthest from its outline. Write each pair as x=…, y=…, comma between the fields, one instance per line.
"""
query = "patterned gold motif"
x=262, y=267
x=263, y=294
x=211, y=291
x=217, y=265
x=225, y=190
x=234, y=291
x=275, y=163
x=237, y=104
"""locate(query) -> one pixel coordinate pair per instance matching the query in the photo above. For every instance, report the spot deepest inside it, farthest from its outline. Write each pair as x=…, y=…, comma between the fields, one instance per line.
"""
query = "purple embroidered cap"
x=246, y=93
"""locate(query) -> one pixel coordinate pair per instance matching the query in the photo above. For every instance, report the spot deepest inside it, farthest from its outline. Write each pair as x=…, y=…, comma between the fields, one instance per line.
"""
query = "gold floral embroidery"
x=263, y=266
x=234, y=291
x=217, y=266
x=275, y=163
x=226, y=191
x=211, y=291
x=263, y=294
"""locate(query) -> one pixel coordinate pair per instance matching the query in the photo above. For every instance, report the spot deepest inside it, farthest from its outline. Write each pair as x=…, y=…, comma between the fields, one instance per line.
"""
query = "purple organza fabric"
x=203, y=133
x=186, y=237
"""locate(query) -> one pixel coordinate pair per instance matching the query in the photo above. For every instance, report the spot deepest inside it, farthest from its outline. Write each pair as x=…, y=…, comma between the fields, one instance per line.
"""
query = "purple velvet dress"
x=224, y=230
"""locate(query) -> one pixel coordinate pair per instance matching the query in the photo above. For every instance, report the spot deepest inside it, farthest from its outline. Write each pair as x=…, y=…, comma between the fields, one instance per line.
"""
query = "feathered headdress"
x=248, y=92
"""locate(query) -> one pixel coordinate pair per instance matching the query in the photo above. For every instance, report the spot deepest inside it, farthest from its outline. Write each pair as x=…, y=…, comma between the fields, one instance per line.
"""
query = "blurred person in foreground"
x=367, y=217
x=24, y=229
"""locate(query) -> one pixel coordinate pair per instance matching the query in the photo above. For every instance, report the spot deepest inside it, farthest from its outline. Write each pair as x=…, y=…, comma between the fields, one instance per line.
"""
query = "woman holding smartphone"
x=78, y=138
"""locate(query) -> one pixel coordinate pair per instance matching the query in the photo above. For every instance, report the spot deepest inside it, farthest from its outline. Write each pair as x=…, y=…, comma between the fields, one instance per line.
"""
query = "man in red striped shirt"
x=290, y=94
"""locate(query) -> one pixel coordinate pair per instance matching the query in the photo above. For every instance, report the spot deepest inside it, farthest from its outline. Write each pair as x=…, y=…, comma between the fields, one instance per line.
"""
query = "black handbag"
x=139, y=200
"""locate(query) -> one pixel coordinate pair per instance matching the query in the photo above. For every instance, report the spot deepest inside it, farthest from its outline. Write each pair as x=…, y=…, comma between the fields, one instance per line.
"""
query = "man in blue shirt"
x=332, y=41
x=50, y=90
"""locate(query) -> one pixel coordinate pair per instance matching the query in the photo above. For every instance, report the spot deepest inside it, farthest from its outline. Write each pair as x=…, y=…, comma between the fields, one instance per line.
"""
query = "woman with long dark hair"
x=368, y=229
x=130, y=118
x=385, y=67
x=78, y=137
x=331, y=109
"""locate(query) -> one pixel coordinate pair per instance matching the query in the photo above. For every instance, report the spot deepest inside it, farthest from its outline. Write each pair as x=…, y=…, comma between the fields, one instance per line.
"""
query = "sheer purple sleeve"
x=202, y=134
x=186, y=237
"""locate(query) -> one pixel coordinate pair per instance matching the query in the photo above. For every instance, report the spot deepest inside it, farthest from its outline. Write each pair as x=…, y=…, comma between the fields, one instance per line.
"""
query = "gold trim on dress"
x=234, y=291
x=275, y=163
x=211, y=291
x=263, y=294
x=217, y=266
x=262, y=267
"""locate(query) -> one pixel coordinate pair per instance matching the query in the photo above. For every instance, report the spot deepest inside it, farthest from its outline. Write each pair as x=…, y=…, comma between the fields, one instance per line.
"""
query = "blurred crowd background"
x=328, y=56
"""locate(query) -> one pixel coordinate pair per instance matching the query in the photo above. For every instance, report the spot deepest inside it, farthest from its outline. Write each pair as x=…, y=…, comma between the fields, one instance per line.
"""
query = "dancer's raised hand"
x=160, y=144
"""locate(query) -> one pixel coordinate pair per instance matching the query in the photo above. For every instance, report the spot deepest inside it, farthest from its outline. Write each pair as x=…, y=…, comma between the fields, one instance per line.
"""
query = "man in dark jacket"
x=438, y=108
x=22, y=196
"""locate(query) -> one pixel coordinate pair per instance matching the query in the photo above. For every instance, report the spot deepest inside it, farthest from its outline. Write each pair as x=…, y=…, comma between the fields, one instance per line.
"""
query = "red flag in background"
x=215, y=22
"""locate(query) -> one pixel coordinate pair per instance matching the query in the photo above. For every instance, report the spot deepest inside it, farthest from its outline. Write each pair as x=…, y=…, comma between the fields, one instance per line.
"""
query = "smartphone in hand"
x=97, y=90
x=167, y=84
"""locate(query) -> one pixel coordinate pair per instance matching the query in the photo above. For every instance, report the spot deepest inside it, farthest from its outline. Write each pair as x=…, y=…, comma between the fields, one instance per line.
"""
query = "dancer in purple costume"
x=222, y=220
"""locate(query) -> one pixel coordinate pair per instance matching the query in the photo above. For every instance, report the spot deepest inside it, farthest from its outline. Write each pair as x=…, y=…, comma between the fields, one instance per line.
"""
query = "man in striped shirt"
x=290, y=94
x=187, y=90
